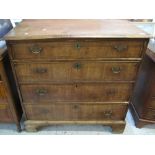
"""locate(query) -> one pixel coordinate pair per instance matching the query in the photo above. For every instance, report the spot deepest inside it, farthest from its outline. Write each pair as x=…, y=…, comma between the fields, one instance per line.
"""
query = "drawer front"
x=149, y=114
x=79, y=70
x=77, y=112
x=77, y=49
x=76, y=92
x=3, y=95
x=5, y=113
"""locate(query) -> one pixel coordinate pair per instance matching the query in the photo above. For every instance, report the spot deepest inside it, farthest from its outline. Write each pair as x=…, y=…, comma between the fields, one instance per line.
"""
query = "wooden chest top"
x=58, y=28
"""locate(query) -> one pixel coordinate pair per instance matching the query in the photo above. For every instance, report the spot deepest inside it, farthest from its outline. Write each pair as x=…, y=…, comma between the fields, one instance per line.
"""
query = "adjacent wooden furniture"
x=10, y=108
x=142, y=104
x=75, y=71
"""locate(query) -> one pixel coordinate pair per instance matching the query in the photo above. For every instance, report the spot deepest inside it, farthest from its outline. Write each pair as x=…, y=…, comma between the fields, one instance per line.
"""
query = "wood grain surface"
x=59, y=28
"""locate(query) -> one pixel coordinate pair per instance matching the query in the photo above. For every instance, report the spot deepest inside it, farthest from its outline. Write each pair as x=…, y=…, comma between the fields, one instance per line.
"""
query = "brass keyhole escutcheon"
x=77, y=45
x=77, y=66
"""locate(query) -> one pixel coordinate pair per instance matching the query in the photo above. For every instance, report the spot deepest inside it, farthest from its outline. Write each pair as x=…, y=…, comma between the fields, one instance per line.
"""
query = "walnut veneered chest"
x=10, y=108
x=75, y=71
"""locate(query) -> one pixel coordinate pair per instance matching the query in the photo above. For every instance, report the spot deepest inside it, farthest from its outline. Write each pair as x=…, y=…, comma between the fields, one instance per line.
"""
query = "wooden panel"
x=149, y=114
x=152, y=88
x=10, y=109
x=5, y=113
x=3, y=95
x=78, y=49
x=151, y=103
x=76, y=92
x=77, y=70
x=75, y=112
x=141, y=92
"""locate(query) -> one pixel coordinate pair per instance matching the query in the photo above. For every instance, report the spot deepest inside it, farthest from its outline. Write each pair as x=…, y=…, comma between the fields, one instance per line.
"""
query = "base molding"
x=139, y=122
x=33, y=126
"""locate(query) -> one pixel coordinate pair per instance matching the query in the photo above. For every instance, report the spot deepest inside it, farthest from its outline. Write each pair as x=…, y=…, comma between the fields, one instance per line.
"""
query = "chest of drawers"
x=142, y=104
x=75, y=71
x=10, y=108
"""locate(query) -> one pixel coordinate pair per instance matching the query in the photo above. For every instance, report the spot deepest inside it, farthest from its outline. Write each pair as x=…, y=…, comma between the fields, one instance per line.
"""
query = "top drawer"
x=77, y=49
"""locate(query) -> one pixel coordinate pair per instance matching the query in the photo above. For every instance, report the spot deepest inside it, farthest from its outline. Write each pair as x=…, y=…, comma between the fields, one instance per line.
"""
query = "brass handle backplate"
x=116, y=70
x=108, y=113
x=40, y=70
x=41, y=92
x=120, y=48
x=35, y=49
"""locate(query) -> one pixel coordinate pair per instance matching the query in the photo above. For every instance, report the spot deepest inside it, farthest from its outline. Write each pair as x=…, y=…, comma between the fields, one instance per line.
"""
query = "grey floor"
x=130, y=129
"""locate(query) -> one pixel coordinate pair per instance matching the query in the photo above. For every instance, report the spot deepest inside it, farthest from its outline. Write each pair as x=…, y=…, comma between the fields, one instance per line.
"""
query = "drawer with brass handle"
x=75, y=49
x=94, y=92
x=77, y=71
x=75, y=112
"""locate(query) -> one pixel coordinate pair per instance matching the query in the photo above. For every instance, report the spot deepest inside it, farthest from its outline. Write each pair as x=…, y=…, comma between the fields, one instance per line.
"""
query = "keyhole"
x=78, y=46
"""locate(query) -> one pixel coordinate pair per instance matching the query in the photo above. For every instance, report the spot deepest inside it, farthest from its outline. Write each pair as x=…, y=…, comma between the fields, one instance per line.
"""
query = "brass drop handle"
x=2, y=107
x=40, y=70
x=77, y=45
x=108, y=113
x=77, y=65
x=41, y=92
x=35, y=49
x=120, y=48
x=116, y=70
